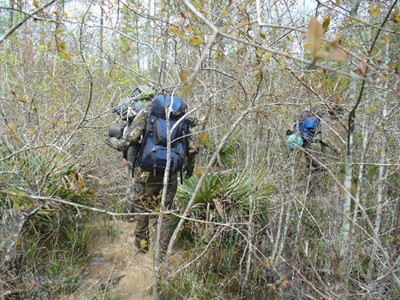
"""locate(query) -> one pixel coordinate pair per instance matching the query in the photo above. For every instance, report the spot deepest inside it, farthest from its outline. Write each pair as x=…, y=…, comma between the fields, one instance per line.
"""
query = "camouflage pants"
x=312, y=151
x=146, y=196
x=315, y=170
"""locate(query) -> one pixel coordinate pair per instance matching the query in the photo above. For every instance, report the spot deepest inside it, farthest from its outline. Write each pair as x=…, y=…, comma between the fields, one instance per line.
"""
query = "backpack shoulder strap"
x=147, y=131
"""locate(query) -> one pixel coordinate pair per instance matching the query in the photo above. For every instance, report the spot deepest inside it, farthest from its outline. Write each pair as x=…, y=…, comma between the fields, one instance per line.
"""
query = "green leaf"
x=326, y=23
x=217, y=54
x=204, y=137
x=63, y=45
x=268, y=57
x=371, y=110
x=176, y=31
x=65, y=55
x=375, y=11
x=196, y=41
x=224, y=12
x=197, y=4
x=260, y=52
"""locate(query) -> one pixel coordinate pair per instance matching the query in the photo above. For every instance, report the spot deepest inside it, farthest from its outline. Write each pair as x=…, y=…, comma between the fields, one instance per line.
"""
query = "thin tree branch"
x=202, y=179
x=353, y=111
x=87, y=69
x=20, y=23
x=24, y=193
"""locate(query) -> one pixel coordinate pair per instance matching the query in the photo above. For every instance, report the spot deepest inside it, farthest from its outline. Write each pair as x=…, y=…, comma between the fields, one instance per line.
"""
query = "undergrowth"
x=44, y=244
x=215, y=255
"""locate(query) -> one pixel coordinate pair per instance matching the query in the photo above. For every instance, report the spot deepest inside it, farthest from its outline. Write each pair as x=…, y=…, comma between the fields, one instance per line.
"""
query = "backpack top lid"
x=177, y=109
x=310, y=122
x=308, y=125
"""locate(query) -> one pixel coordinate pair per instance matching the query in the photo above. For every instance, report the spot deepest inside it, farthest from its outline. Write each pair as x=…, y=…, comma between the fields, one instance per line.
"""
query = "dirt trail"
x=116, y=269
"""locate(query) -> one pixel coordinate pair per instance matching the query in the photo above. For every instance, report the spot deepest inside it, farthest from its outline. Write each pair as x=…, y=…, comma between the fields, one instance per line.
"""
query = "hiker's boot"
x=142, y=245
x=128, y=219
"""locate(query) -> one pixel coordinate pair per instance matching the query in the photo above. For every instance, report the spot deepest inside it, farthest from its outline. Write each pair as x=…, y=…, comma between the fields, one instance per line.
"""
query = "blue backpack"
x=153, y=153
x=308, y=126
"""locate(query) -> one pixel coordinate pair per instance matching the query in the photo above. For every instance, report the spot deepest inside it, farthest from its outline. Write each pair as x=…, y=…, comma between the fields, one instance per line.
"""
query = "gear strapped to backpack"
x=153, y=152
x=308, y=125
x=128, y=108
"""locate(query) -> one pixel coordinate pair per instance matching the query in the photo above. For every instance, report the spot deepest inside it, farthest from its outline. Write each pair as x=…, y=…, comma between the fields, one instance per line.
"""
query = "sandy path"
x=116, y=269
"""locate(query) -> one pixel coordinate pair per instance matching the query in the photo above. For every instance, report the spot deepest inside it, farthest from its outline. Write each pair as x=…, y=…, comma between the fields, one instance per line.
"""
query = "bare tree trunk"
x=251, y=159
x=157, y=245
x=346, y=210
x=363, y=160
x=12, y=3
x=152, y=63
x=101, y=35
x=379, y=203
x=268, y=147
x=163, y=207
x=382, y=173
x=381, y=186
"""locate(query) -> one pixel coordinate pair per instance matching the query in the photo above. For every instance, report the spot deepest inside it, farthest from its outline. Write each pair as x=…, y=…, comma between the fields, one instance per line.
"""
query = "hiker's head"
x=315, y=111
x=289, y=132
x=336, y=111
x=306, y=113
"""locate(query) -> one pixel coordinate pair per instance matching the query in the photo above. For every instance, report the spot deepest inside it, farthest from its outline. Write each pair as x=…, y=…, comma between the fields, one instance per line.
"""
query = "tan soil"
x=115, y=268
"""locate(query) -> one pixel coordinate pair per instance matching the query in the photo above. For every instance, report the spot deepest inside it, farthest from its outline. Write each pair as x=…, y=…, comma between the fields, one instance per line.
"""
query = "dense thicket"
x=260, y=225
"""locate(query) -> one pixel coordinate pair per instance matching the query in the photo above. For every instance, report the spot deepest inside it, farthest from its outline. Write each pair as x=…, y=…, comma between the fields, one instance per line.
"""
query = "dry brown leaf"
x=184, y=74
x=362, y=68
x=219, y=208
x=337, y=54
x=314, y=35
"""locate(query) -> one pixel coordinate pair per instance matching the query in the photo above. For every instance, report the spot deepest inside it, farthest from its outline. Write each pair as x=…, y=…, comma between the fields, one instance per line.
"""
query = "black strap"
x=154, y=161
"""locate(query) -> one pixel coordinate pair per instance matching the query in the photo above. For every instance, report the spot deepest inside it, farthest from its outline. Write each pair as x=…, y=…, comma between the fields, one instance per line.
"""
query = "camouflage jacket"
x=134, y=134
x=137, y=130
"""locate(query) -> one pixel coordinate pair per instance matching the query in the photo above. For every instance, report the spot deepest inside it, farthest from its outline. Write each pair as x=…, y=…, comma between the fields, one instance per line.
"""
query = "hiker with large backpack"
x=307, y=134
x=148, y=135
x=126, y=112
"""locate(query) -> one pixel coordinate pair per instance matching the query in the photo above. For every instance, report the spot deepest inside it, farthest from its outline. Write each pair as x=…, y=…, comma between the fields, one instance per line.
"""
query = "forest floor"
x=115, y=269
